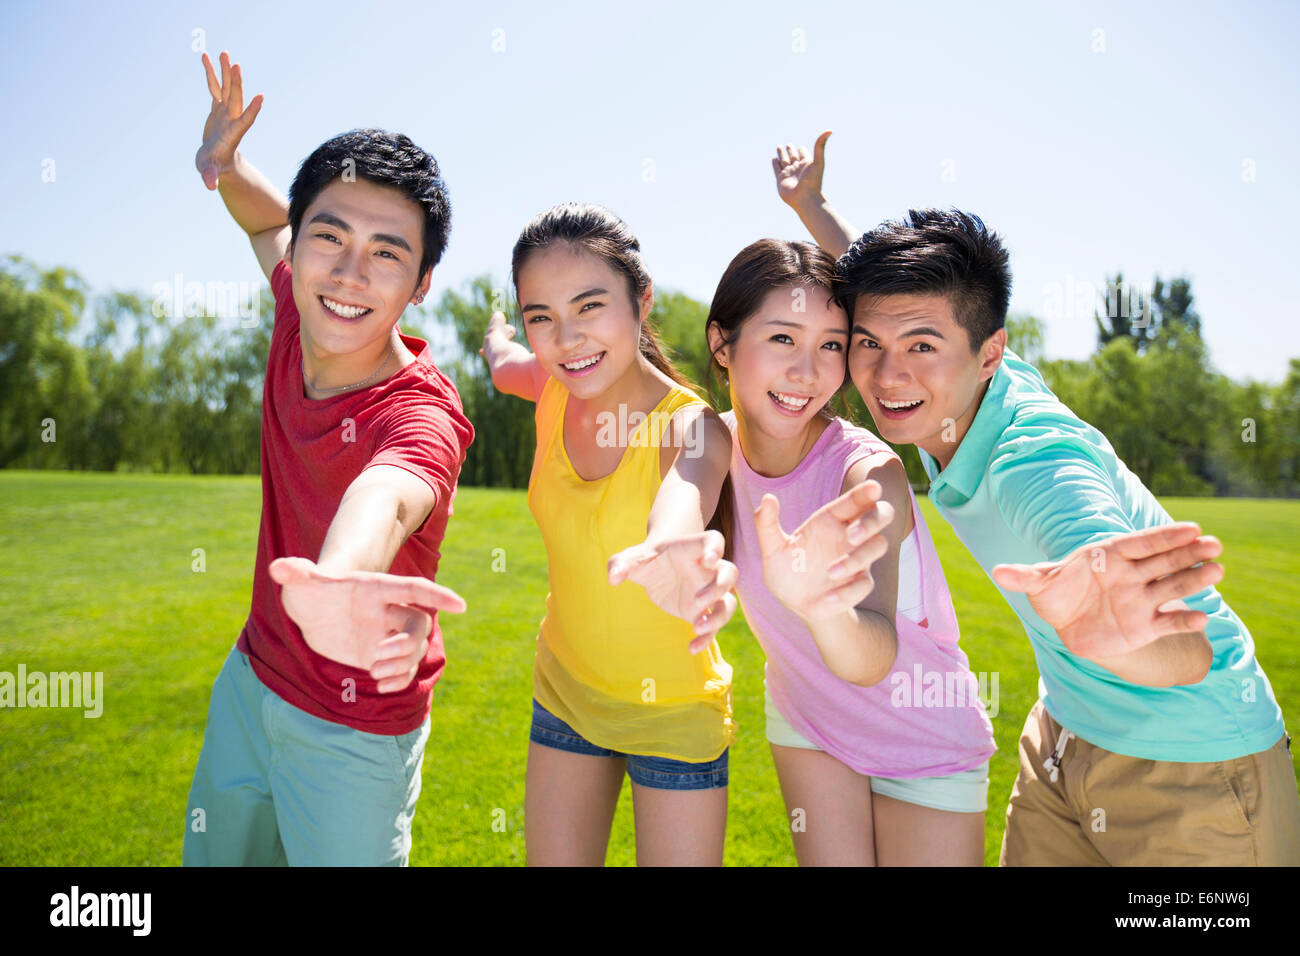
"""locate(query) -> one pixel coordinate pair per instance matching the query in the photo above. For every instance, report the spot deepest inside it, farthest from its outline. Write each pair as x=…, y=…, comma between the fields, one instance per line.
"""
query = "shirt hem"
x=1199, y=752
x=304, y=703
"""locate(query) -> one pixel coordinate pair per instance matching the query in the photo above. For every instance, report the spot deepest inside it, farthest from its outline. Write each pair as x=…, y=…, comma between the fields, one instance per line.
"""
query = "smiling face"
x=578, y=316
x=913, y=365
x=786, y=363
x=355, y=267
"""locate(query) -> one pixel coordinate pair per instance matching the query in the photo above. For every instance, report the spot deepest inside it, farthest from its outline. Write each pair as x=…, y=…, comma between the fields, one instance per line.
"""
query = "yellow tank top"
x=610, y=663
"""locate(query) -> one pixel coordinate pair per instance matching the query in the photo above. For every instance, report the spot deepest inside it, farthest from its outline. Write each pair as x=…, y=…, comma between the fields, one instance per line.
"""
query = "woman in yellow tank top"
x=628, y=470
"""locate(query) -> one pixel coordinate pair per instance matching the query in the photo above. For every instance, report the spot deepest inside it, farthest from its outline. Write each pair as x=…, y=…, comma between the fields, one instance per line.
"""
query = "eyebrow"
x=537, y=306
x=800, y=325
x=909, y=334
x=329, y=219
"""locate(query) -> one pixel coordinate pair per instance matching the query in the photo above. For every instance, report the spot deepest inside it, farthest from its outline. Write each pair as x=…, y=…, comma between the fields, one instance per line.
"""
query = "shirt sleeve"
x=1056, y=497
x=428, y=440
x=281, y=285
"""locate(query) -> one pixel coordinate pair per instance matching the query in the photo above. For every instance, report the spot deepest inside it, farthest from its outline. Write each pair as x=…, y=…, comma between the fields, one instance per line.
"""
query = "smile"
x=896, y=410
x=344, y=311
x=583, y=366
x=790, y=404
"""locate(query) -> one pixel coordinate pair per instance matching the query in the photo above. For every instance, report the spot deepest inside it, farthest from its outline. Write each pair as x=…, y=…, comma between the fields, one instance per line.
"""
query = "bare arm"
x=680, y=564
x=860, y=645
x=697, y=451
x=1170, y=661
x=382, y=507
x=346, y=605
x=252, y=201
x=1118, y=602
x=515, y=370
x=799, y=183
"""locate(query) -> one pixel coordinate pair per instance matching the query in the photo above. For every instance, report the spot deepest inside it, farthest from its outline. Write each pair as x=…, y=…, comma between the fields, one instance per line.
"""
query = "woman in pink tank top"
x=879, y=738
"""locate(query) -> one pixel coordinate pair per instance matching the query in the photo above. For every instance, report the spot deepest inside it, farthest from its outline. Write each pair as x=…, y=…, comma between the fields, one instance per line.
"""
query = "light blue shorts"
x=964, y=792
x=276, y=786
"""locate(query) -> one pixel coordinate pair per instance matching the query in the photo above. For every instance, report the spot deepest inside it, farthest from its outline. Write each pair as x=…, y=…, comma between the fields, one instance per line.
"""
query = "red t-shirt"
x=311, y=451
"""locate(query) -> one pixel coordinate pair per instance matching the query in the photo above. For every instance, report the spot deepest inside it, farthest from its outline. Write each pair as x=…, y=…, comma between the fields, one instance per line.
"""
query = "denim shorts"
x=658, y=773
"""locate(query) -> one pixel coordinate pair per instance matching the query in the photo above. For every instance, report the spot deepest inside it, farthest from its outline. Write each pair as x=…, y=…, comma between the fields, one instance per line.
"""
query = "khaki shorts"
x=1106, y=808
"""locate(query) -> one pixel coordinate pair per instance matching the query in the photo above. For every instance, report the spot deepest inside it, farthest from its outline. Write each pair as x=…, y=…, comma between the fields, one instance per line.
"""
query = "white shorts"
x=966, y=791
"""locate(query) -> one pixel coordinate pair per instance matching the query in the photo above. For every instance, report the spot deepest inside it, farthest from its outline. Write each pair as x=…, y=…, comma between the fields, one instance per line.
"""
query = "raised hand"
x=798, y=175
x=823, y=568
x=363, y=618
x=1109, y=599
x=227, y=122
x=687, y=577
x=497, y=323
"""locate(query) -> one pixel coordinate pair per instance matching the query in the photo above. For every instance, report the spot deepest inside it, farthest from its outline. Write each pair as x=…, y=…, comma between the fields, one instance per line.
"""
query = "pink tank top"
x=925, y=719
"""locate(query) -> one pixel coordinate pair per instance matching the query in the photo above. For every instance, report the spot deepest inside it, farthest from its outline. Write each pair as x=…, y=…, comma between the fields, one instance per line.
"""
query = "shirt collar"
x=967, y=468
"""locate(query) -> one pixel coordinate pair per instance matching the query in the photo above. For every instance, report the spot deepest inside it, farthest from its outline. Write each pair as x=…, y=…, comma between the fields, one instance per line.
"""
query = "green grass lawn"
x=97, y=573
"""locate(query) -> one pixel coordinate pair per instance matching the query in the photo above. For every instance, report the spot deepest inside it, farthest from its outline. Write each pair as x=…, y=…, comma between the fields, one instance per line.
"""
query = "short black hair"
x=932, y=252
x=389, y=159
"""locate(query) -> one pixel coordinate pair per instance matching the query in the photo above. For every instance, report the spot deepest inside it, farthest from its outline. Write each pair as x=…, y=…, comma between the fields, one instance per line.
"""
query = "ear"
x=422, y=287
x=647, y=301
x=716, y=348
x=991, y=354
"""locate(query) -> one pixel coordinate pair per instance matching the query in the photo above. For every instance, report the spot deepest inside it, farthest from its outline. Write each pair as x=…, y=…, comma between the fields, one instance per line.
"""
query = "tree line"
x=112, y=382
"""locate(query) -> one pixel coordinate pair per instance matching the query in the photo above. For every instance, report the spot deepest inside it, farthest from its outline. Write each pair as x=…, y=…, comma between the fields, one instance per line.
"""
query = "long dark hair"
x=596, y=230
x=755, y=271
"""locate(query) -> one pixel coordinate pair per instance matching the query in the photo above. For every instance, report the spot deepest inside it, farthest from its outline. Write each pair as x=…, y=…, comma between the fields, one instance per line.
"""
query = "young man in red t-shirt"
x=318, y=721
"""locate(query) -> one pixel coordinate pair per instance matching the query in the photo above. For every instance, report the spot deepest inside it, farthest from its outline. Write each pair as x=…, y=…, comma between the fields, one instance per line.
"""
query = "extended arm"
x=799, y=183
x=679, y=564
x=1113, y=594
x=253, y=202
x=347, y=607
x=861, y=644
x=382, y=507
x=515, y=370
x=838, y=571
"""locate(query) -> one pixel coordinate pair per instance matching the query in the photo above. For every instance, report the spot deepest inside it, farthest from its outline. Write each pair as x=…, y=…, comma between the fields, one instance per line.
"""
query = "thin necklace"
x=344, y=388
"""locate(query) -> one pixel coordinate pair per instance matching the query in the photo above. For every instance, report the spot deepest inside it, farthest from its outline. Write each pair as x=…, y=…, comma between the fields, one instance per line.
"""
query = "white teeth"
x=347, y=311
x=899, y=406
x=579, y=366
x=791, y=402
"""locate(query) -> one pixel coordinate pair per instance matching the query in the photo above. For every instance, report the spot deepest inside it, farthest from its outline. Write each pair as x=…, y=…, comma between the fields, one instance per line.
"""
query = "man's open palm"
x=1106, y=599
x=364, y=619
x=227, y=122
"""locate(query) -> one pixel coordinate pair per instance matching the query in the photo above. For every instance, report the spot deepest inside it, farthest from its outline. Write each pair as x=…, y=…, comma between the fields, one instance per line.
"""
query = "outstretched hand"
x=364, y=619
x=823, y=568
x=1119, y=595
x=799, y=175
x=227, y=121
x=687, y=577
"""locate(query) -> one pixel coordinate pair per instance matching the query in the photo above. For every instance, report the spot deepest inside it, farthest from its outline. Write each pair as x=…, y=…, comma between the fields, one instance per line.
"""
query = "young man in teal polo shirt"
x=1156, y=739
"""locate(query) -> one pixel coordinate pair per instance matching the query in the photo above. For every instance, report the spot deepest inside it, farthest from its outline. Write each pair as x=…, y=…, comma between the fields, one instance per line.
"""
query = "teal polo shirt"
x=1032, y=482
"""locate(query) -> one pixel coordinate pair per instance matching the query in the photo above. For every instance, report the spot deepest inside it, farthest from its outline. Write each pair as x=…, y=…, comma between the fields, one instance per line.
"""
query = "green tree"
x=1025, y=337
x=45, y=393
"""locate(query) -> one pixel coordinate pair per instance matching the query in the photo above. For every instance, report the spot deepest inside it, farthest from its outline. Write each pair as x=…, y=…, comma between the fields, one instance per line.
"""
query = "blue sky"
x=1165, y=143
